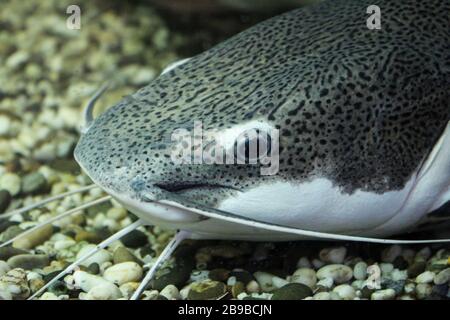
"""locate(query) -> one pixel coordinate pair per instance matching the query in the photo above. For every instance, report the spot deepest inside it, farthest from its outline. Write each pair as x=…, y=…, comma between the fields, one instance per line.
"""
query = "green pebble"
x=49, y=276
x=29, y=261
x=5, y=200
x=93, y=268
x=102, y=207
x=135, y=239
x=237, y=289
x=416, y=268
x=8, y=252
x=5, y=224
x=65, y=165
x=292, y=291
x=206, y=290
x=178, y=275
x=400, y=263
x=122, y=254
x=366, y=292
x=11, y=232
x=34, y=183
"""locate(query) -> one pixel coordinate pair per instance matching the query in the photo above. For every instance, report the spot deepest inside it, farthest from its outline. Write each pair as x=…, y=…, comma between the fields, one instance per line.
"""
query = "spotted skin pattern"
x=362, y=108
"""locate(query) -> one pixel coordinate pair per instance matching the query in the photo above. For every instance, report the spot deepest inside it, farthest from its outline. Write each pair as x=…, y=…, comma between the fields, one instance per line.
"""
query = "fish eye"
x=251, y=146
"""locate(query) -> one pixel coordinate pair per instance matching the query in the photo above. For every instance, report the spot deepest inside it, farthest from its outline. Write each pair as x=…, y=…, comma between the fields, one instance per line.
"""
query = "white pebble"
x=48, y=296
x=279, y=282
x=305, y=276
x=116, y=213
x=124, y=272
x=4, y=268
x=333, y=255
x=387, y=294
x=409, y=288
x=185, y=292
x=338, y=272
x=103, y=288
x=386, y=268
x=252, y=287
x=106, y=291
x=127, y=289
x=63, y=244
x=322, y=296
x=99, y=257
x=5, y=125
x=442, y=277
x=423, y=290
x=345, y=291
x=358, y=284
x=360, y=270
x=425, y=277
x=335, y=296
x=10, y=182
x=242, y=295
x=170, y=292
x=326, y=283
x=231, y=281
x=398, y=275
x=265, y=281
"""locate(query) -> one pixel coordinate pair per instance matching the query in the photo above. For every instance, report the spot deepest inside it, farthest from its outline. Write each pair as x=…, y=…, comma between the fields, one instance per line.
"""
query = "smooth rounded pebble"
x=10, y=182
x=5, y=200
x=442, y=277
x=170, y=292
x=8, y=252
x=122, y=254
x=305, y=276
x=345, y=291
x=206, y=290
x=34, y=238
x=360, y=270
x=423, y=290
x=333, y=255
x=123, y=272
x=34, y=183
x=391, y=253
x=292, y=291
x=387, y=294
x=322, y=296
x=135, y=239
x=29, y=261
x=86, y=282
x=4, y=268
x=15, y=283
x=265, y=281
x=99, y=257
x=338, y=272
x=425, y=277
x=104, y=291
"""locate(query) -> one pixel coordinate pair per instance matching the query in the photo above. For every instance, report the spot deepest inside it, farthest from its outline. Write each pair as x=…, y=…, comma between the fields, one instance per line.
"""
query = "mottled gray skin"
x=360, y=107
